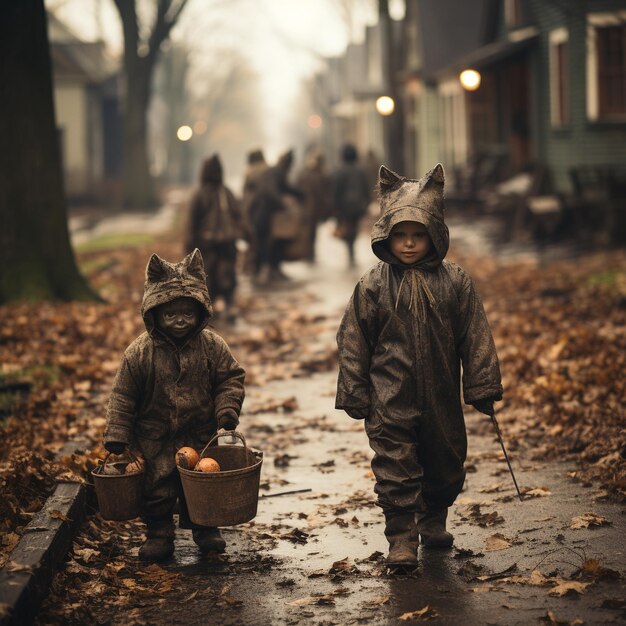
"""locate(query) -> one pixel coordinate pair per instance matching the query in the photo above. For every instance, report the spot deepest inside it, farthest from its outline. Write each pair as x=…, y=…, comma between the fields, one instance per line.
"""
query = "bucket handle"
x=221, y=433
x=106, y=458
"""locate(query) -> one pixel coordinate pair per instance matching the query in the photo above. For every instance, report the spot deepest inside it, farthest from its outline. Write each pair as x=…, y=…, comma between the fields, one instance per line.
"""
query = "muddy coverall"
x=405, y=334
x=166, y=396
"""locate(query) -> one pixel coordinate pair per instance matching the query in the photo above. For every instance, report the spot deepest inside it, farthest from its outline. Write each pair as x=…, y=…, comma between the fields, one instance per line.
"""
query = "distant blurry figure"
x=351, y=197
x=371, y=165
x=314, y=183
x=266, y=210
x=215, y=223
x=255, y=171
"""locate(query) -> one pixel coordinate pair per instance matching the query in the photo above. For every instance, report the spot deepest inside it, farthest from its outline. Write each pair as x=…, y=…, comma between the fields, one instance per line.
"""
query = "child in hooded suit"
x=176, y=385
x=412, y=321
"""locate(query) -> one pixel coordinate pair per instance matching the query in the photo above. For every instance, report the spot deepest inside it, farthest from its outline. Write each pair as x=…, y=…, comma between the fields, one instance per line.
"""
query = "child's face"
x=409, y=242
x=179, y=317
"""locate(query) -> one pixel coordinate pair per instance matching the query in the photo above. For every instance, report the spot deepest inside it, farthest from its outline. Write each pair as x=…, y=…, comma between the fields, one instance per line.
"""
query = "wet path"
x=316, y=557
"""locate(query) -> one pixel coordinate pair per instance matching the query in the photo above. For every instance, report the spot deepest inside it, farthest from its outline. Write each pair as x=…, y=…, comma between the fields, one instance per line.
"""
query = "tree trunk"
x=138, y=183
x=36, y=257
x=139, y=186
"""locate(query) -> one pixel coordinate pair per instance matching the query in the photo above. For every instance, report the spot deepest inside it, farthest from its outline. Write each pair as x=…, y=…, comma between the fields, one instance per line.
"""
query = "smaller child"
x=413, y=320
x=177, y=384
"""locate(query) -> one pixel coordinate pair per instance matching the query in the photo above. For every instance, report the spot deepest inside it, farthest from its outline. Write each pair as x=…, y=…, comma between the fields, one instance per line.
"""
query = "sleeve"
x=355, y=342
x=123, y=403
x=228, y=379
x=481, y=369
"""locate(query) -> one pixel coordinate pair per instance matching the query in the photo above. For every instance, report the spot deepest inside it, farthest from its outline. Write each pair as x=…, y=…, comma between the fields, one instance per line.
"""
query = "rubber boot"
x=159, y=543
x=431, y=526
x=401, y=533
x=209, y=539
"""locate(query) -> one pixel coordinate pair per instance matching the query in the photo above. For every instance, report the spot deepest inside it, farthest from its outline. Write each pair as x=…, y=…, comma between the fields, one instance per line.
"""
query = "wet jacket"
x=165, y=396
x=351, y=192
x=214, y=213
x=407, y=331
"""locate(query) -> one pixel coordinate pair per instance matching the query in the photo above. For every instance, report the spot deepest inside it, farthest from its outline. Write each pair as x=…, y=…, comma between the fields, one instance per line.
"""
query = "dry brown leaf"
x=496, y=542
x=568, y=587
x=589, y=520
x=422, y=614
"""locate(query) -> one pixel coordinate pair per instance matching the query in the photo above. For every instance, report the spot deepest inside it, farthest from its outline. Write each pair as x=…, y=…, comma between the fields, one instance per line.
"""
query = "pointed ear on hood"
x=436, y=176
x=156, y=269
x=387, y=180
x=194, y=264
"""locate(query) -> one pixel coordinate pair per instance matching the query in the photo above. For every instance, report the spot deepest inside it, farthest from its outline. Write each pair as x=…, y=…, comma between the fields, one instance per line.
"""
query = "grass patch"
x=113, y=242
x=610, y=278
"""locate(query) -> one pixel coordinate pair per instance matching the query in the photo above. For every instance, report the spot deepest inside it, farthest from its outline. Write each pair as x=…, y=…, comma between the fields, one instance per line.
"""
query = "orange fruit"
x=187, y=458
x=208, y=465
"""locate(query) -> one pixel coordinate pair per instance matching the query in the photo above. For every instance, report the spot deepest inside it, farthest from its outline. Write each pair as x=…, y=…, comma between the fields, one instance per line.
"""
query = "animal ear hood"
x=387, y=180
x=167, y=281
x=195, y=265
x=405, y=199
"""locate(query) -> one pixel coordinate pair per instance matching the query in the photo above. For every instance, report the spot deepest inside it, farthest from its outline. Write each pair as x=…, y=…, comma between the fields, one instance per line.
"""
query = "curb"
x=26, y=577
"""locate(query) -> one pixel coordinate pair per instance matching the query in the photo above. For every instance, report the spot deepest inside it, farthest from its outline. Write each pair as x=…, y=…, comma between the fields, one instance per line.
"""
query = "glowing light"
x=470, y=80
x=314, y=121
x=184, y=133
x=200, y=127
x=385, y=105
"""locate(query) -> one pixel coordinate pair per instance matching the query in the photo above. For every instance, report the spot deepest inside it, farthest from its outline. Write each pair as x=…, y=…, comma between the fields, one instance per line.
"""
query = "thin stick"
x=284, y=493
x=506, y=456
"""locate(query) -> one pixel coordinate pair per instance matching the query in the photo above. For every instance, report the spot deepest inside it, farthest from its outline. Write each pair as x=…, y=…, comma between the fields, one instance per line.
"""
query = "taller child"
x=412, y=321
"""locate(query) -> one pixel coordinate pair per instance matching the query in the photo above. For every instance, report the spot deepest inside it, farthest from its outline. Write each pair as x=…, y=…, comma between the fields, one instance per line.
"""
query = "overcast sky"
x=284, y=40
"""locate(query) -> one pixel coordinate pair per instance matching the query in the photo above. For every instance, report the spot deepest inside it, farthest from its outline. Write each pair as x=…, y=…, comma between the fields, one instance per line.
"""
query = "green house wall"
x=581, y=142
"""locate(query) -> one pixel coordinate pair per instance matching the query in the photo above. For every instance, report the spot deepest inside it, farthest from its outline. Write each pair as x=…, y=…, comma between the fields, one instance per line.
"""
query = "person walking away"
x=314, y=183
x=413, y=320
x=253, y=178
x=351, y=197
x=265, y=215
x=214, y=225
x=176, y=385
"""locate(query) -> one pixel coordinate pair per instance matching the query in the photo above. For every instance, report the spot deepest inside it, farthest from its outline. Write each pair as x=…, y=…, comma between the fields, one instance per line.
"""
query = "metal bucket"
x=119, y=496
x=227, y=497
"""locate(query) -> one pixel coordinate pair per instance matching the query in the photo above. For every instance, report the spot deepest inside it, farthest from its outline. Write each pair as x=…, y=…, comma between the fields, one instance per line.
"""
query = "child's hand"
x=484, y=406
x=116, y=447
x=228, y=420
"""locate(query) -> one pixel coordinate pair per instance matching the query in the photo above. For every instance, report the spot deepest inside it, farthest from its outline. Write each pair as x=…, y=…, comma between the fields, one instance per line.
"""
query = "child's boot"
x=431, y=525
x=159, y=543
x=209, y=539
x=401, y=533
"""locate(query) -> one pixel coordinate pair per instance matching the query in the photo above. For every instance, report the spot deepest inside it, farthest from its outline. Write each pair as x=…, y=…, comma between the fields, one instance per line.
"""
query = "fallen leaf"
x=568, y=587
x=56, y=514
x=589, y=520
x=423, y=614
x=496, y=542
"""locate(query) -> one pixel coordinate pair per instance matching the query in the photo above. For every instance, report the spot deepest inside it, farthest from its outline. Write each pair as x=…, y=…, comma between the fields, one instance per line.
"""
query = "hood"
x=167, y=281
x=211, y=170
x=285, y=161
x=404, y=199
x=256, y=156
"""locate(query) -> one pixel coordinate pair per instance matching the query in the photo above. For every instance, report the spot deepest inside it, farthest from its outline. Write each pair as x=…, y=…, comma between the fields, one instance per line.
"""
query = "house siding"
x=581, y=142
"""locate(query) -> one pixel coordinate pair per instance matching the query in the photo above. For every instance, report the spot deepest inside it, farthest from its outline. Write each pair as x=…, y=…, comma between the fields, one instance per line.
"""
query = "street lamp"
x=314, y=121
x=184, y=133
x=385, y=105
x=470, y=80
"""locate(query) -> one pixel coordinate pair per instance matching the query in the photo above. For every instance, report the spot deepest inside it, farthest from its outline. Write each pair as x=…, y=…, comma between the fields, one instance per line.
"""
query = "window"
x=606, y=66
x=559, y=84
